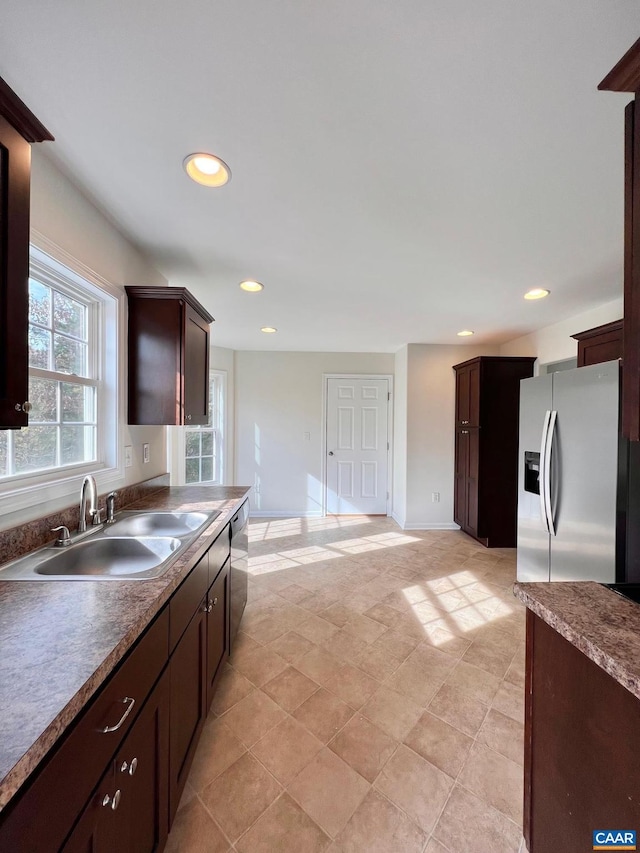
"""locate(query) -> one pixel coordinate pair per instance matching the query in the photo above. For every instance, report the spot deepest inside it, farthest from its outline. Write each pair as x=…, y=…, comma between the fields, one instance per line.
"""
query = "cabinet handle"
x=188, y=417
x=114, y=801
x=464, y=432
x=215, y=601
x=130, y=768
x=132, y=702
x=23, y=407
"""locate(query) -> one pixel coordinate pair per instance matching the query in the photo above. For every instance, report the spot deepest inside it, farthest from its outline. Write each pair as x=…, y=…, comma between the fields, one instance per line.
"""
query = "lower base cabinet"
x=139, y=734
x=129, y=811
x=580, y=756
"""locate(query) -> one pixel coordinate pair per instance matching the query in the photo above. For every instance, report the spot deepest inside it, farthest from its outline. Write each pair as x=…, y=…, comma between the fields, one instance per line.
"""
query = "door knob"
x=331, y=453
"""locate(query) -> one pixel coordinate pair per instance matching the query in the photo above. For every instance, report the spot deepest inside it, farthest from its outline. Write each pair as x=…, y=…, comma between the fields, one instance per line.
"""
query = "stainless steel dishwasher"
x=239, y=566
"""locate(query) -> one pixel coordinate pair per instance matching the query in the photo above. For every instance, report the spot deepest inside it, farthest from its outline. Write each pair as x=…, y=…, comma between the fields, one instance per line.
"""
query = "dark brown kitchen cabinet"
x=603, y=343
x=218, y=635
x=625, y=77
x=486, y=447
x=188, y=701
x=128, y=813
x=196, y=661
x=168, y=357
x=18, y=128
x=580, y=761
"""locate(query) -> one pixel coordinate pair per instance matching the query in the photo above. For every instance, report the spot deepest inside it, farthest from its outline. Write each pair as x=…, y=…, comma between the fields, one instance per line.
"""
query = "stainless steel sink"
x=158, y=523
x=111, y=557
x=138, y=546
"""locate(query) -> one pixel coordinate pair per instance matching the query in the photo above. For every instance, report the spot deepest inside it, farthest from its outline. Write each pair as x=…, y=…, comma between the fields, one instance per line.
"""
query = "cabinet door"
x=473, y=460
x=462, y=396
x=196, y=369
x=188, y=702
x=142, y=773
x=217, y=628
x=15, y=162
x=474, y=395
x=461, y=465
x=102, y=827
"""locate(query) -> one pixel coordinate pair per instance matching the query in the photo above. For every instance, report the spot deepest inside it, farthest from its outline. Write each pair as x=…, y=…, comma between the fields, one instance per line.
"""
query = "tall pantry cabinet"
x=486, y=447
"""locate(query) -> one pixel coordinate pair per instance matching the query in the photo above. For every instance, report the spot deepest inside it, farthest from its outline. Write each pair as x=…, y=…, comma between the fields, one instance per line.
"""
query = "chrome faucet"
x=90, y=484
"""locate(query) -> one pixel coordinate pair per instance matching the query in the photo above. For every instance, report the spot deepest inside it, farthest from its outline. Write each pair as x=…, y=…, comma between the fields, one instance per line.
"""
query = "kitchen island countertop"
x=60, y=640
x=600, y=623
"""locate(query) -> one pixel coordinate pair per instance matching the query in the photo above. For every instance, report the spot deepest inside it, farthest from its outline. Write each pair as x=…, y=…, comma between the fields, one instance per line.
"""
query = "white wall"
x=223, y=359
x=430, y=432
x=554, y=343
x=278, y=400
x=65, y=217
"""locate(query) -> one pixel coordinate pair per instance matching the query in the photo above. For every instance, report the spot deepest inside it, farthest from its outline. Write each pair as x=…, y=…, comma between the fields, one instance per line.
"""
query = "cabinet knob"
x=133, y=766
x=113, y=802
x=23, y=407
x=188, y=417
x=215, y=601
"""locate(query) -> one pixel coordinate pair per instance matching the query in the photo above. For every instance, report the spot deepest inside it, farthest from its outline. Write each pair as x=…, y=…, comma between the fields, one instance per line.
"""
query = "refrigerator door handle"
x=542, y=483
x=546, y=465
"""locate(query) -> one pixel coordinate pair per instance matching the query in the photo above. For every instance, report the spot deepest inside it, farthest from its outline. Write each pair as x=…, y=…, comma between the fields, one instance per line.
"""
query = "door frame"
x=325, y=425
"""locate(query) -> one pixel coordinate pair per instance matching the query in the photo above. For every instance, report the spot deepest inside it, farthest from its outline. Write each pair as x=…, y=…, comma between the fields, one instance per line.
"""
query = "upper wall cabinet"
x=168, y=357
x=625, y=77
x=18, y=128
x=603, y=343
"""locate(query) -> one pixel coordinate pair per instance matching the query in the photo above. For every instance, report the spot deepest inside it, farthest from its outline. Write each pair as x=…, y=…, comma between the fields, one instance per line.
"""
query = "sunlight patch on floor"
x=280, y=528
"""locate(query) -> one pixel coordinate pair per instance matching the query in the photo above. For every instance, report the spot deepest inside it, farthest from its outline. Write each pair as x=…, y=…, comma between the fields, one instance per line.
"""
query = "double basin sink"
x=137, y=546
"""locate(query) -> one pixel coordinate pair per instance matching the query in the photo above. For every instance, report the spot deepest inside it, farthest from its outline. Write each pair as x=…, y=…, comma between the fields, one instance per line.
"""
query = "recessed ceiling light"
x=251, y=286
x=537, y=293
x=465, y=333
x=207, y=169
x=268, y=330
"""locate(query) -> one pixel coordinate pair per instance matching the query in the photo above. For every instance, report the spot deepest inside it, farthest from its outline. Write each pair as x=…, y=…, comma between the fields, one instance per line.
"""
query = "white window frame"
x=176, y=444
x=53, y=266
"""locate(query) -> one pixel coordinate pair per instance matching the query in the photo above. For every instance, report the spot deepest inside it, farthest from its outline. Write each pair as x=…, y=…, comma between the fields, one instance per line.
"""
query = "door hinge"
x=387, y=445
x=388, y=395
x=387, y=495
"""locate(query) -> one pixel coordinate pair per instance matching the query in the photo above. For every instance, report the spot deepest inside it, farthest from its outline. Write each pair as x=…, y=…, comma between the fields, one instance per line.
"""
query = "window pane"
x=192, y=473
x=77, y=444
x=4, y=470
x=193, y=443
x=69, y=316
x=207, y=469
x=207, y=444
x=39, y=303
x=78, y=403
x=35, y=448
x=69, y=356
x=39, y=347
x=43, y=398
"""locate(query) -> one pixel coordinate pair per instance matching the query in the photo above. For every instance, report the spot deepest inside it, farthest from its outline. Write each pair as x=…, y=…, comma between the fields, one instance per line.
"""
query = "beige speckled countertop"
x=59, y=641
x=602, y=624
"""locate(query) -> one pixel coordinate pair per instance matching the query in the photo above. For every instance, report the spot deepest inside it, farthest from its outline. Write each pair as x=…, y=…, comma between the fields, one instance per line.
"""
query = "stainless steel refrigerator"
x=571, y=477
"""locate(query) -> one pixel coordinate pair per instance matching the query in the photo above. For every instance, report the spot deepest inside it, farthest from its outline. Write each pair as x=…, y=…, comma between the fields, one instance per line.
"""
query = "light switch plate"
x=128, y=456
x=145, y=453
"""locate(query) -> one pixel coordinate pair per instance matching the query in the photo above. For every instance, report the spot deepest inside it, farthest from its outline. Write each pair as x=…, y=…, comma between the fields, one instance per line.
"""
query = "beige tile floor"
x=374, y=700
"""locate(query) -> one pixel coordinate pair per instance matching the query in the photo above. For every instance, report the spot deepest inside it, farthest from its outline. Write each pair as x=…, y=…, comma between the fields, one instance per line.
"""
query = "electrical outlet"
x=128, y=456
x=145, y=453
x=435, y=497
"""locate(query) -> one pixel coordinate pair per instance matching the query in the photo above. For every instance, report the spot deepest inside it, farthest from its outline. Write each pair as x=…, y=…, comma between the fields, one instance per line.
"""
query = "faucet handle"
x=111, y=507
x=96, y=516
x=64, y=538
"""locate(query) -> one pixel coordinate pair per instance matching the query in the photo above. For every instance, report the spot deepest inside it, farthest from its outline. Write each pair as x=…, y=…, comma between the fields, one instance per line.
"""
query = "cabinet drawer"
x=63, y=785
x=187, y=598
x=218, y=553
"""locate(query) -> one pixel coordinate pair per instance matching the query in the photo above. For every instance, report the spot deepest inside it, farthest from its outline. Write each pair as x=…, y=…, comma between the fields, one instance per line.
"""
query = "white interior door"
x=357, y=449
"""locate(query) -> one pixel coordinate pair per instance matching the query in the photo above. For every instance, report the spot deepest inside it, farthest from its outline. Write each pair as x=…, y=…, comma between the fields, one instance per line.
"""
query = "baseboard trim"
x=438, y=525
x=399, y=521
x=293, y=513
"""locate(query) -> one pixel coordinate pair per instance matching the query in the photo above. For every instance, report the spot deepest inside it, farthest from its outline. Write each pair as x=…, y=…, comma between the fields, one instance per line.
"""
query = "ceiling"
x=401, y=170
